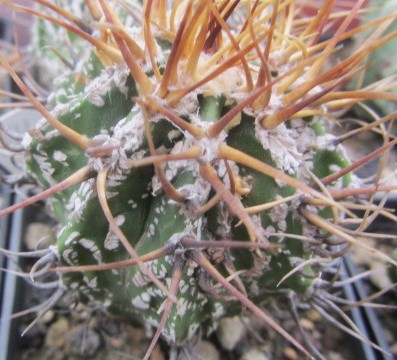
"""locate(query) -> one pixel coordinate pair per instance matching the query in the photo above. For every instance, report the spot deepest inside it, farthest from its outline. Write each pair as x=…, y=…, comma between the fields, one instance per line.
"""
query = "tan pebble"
x=334, y=356
x=313, y=315
x=48, y=316
x=56, y=333
x=307, y=324
x=254, y=354
x=230, y=332
x=38, y=234
x=116, y=342
x=290, y=354
x=203, y=350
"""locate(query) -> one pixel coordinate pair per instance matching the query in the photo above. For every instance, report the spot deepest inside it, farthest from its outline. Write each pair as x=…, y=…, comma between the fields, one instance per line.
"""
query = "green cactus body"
x=105, y=104
x=151, y=220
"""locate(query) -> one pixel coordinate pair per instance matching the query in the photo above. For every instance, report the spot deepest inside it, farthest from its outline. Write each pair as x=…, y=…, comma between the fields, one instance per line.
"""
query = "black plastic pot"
x=11, y=227
x=365, y=318
x=11, y=231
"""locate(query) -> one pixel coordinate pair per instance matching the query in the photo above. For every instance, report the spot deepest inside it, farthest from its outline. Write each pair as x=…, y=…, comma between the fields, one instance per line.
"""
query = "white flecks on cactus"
x=91, y=283
x=72, y=236
x=46, y=167
x=110, y=77
x=66, y=256
x=74, y=285
x=182, y=306
x=141, y=302
x=130, y=132
x=155, y=292
x=326, y=141
x=76, y=204
x=210, y=147
x=183, y=287
x=91, y=246
x=159, y=269
x=139, y=279
x=196, y=193
x=278, y=215
x=173, y=135
x=286, y=145
x=59, y=156
x=218, y=311
x=133, y=203
x=106, y=303
x=224, y=220
x=111, y=241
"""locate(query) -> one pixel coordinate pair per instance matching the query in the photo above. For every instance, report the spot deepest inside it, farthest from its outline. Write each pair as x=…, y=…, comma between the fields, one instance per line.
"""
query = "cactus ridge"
x=212, y=123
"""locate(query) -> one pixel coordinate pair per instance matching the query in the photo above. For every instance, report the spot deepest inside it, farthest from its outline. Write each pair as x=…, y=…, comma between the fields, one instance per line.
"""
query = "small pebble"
x=313, y=316
x=110, y=327
x=254, y=354
x=230, y=332
x=307, y=324
x=290, y=354
x=83, y=342
x=203, y=350
x=56, y=333
x=38, y=235
x=48, y=316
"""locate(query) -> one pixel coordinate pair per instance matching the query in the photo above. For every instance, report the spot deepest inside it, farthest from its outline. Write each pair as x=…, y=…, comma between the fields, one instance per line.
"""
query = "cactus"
x=189, y=159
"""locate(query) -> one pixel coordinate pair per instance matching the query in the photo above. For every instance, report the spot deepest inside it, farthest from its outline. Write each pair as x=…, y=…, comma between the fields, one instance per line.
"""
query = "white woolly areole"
x=130, y=131
x=230, y=83
x=197, y=193
x=174, y=167
x=111, y=161
x=278, y=214
x=110, y=77
x=127, y=138
x=128, y=135
x=326, y=141
x=210, y=146
x=286, y=145
x=227, y=83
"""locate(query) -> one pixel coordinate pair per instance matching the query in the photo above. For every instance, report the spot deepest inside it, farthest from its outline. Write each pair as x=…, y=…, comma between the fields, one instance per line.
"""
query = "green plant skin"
x=116, y=106
x=84, y=237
